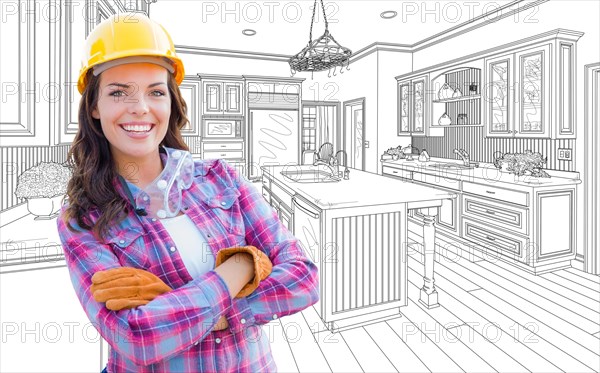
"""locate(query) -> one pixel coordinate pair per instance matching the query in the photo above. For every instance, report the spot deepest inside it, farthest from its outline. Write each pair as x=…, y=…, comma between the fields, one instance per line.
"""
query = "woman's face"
x=134, y=107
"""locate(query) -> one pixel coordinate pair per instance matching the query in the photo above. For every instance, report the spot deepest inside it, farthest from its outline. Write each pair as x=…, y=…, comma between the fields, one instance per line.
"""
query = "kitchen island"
x=355, y=230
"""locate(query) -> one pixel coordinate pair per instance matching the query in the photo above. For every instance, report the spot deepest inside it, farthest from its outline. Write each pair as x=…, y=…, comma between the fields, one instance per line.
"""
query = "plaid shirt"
x=173, y=333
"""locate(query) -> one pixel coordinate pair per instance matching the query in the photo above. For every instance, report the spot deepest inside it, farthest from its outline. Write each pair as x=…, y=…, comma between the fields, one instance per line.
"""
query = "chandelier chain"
x=313, y=20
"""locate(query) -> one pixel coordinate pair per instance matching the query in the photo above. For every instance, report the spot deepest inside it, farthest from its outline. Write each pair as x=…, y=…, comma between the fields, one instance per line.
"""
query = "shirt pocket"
x=226, y=208
x=130, y=248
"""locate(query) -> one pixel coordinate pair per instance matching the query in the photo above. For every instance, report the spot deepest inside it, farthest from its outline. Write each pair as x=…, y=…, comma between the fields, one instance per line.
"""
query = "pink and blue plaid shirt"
x=173, y=333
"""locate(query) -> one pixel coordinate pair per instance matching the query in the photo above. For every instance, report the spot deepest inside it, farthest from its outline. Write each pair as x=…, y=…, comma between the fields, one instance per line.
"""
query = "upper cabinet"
x=414, y=105
x=220, y=97
x=190, y=91
x=530, y=91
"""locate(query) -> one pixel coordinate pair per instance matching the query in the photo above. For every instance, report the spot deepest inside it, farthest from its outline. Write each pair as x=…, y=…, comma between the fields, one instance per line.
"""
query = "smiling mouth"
x=137, y=128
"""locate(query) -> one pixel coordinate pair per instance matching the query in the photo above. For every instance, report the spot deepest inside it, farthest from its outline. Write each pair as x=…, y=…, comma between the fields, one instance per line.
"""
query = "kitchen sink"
x=454, y=165
x=310, y=176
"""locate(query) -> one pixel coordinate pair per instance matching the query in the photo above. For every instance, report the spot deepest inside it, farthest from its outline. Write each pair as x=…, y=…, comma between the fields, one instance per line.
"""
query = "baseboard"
x=14, y=213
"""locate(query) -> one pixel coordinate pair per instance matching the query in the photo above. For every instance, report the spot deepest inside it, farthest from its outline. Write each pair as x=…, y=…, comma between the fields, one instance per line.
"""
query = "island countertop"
x=362, y=189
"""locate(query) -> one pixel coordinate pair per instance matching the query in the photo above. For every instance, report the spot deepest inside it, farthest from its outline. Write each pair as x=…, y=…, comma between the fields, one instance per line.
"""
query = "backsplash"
x=482, y=149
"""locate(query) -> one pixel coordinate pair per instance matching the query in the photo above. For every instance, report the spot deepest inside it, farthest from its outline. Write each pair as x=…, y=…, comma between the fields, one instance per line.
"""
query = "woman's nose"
x=138, y=105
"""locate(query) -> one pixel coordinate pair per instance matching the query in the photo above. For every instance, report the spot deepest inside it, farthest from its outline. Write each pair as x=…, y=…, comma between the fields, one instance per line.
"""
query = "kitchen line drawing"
x=444, y=179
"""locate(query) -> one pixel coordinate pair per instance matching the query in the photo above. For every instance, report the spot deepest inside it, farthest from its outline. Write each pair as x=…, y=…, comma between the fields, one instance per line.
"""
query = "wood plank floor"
x=493, y=318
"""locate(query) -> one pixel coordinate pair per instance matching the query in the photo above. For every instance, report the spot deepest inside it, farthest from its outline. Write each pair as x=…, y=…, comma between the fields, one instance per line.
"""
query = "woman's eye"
x=158, y=93
x=117, y=94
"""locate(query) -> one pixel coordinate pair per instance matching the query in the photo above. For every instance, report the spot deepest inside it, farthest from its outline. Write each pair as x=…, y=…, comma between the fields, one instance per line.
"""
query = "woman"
x=176, y=262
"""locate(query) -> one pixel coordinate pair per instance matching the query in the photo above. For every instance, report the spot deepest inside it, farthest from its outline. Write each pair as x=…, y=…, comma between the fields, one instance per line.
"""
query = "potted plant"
x=44, y=186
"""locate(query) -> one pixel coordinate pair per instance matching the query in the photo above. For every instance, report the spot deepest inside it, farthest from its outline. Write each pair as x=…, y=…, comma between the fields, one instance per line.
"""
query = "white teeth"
x=137, y=128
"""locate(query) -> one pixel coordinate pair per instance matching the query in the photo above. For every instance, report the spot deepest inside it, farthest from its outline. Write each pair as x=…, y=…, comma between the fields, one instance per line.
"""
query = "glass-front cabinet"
x=530, y=91
x=499, y=95
x=532, y=100
x=412, y=106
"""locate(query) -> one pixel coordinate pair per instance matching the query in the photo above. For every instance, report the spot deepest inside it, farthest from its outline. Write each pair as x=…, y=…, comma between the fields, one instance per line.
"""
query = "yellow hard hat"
x=128, y=35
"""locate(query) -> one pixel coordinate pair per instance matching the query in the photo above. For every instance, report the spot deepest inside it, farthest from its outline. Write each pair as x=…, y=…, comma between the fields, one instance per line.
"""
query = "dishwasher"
x=307, y=227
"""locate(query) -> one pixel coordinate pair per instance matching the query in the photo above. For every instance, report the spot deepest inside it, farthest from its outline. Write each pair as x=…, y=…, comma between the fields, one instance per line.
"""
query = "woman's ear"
x=95, y=113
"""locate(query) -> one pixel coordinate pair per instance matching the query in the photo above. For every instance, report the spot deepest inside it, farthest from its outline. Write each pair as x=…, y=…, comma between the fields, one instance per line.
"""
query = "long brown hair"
x=91, y=185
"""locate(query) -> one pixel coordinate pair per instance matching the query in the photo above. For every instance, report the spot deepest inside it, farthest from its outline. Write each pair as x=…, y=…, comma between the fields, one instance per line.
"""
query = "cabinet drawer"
x=223, y=154
x=266, y=181
x=510, y=217
x=281, y=194
x=436, y=180
x=222, y=146
x=494, y=240
x=520, y=198
x=266, y=194
x=387, y=170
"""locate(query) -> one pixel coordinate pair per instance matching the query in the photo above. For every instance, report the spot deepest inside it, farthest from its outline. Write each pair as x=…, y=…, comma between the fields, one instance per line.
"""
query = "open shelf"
x=464, y=110
x=456, y=99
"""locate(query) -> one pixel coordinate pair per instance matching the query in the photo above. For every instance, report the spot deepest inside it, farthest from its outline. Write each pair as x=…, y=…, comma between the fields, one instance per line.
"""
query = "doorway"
x=592, y=164
x=354, y=132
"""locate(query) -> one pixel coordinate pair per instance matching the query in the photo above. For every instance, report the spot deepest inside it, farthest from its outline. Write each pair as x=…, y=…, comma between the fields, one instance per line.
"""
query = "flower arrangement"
x=47, y=179
x=527, y=163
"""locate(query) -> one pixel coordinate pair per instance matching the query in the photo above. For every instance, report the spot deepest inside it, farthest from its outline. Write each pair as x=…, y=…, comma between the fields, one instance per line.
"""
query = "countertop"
x=362, y=189
x=486, y=173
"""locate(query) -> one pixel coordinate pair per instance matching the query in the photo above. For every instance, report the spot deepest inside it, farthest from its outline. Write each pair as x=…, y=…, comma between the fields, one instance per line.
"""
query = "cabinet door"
x=286, y=218
x=448, y=213
x=190, y=89
x=418, y=106
x=498, y=99
x=233, y=98
x=533, y=102
x=404, y=108
x=566, y=90
x=212, y=97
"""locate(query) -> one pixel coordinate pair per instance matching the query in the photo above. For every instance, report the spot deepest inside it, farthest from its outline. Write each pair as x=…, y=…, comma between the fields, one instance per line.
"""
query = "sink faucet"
x=345, y=158
x=464, y=155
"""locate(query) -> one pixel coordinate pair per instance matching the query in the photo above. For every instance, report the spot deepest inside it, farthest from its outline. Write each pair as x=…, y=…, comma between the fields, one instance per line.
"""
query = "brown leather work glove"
x=262, y=266
x=126, y=287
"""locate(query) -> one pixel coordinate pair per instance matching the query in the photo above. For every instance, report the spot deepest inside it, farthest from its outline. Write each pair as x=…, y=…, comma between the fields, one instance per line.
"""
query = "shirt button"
x=274, y=316
x=223, y=203
x=122, y=241
x=172, y=249
x=243, y=321
x=196, y=343
x=218, y=340
x=153, y=219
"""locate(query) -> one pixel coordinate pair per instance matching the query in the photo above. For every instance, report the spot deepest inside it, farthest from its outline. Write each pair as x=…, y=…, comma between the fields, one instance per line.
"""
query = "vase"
x=45, y=208
x=445, y=92
x=444, y=120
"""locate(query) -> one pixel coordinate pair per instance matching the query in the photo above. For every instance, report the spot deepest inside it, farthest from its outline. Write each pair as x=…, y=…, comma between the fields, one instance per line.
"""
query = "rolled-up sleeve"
x=166, y=326
x=293, y=284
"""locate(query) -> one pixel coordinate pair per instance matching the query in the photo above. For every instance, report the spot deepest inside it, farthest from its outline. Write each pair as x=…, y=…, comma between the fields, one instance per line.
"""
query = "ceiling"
x=282, y=27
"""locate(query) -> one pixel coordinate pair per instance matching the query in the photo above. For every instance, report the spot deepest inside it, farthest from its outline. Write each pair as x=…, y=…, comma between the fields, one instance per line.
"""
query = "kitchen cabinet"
x=280, y=199
x=534, y=228
x=531, y=90
x=230, y=151
x=414, y=105
x=528, y=222
x=190, y=91
x=222, y=97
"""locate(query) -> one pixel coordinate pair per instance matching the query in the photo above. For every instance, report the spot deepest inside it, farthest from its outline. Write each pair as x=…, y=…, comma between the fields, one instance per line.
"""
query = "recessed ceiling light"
x=389, y=14
x=249, y=32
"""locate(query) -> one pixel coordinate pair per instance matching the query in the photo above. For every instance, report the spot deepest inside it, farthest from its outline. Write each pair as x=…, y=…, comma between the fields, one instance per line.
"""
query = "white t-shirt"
x=193, y=247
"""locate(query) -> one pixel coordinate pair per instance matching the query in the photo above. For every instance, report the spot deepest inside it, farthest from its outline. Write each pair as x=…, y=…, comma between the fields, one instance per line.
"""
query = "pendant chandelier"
x=321, y=54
